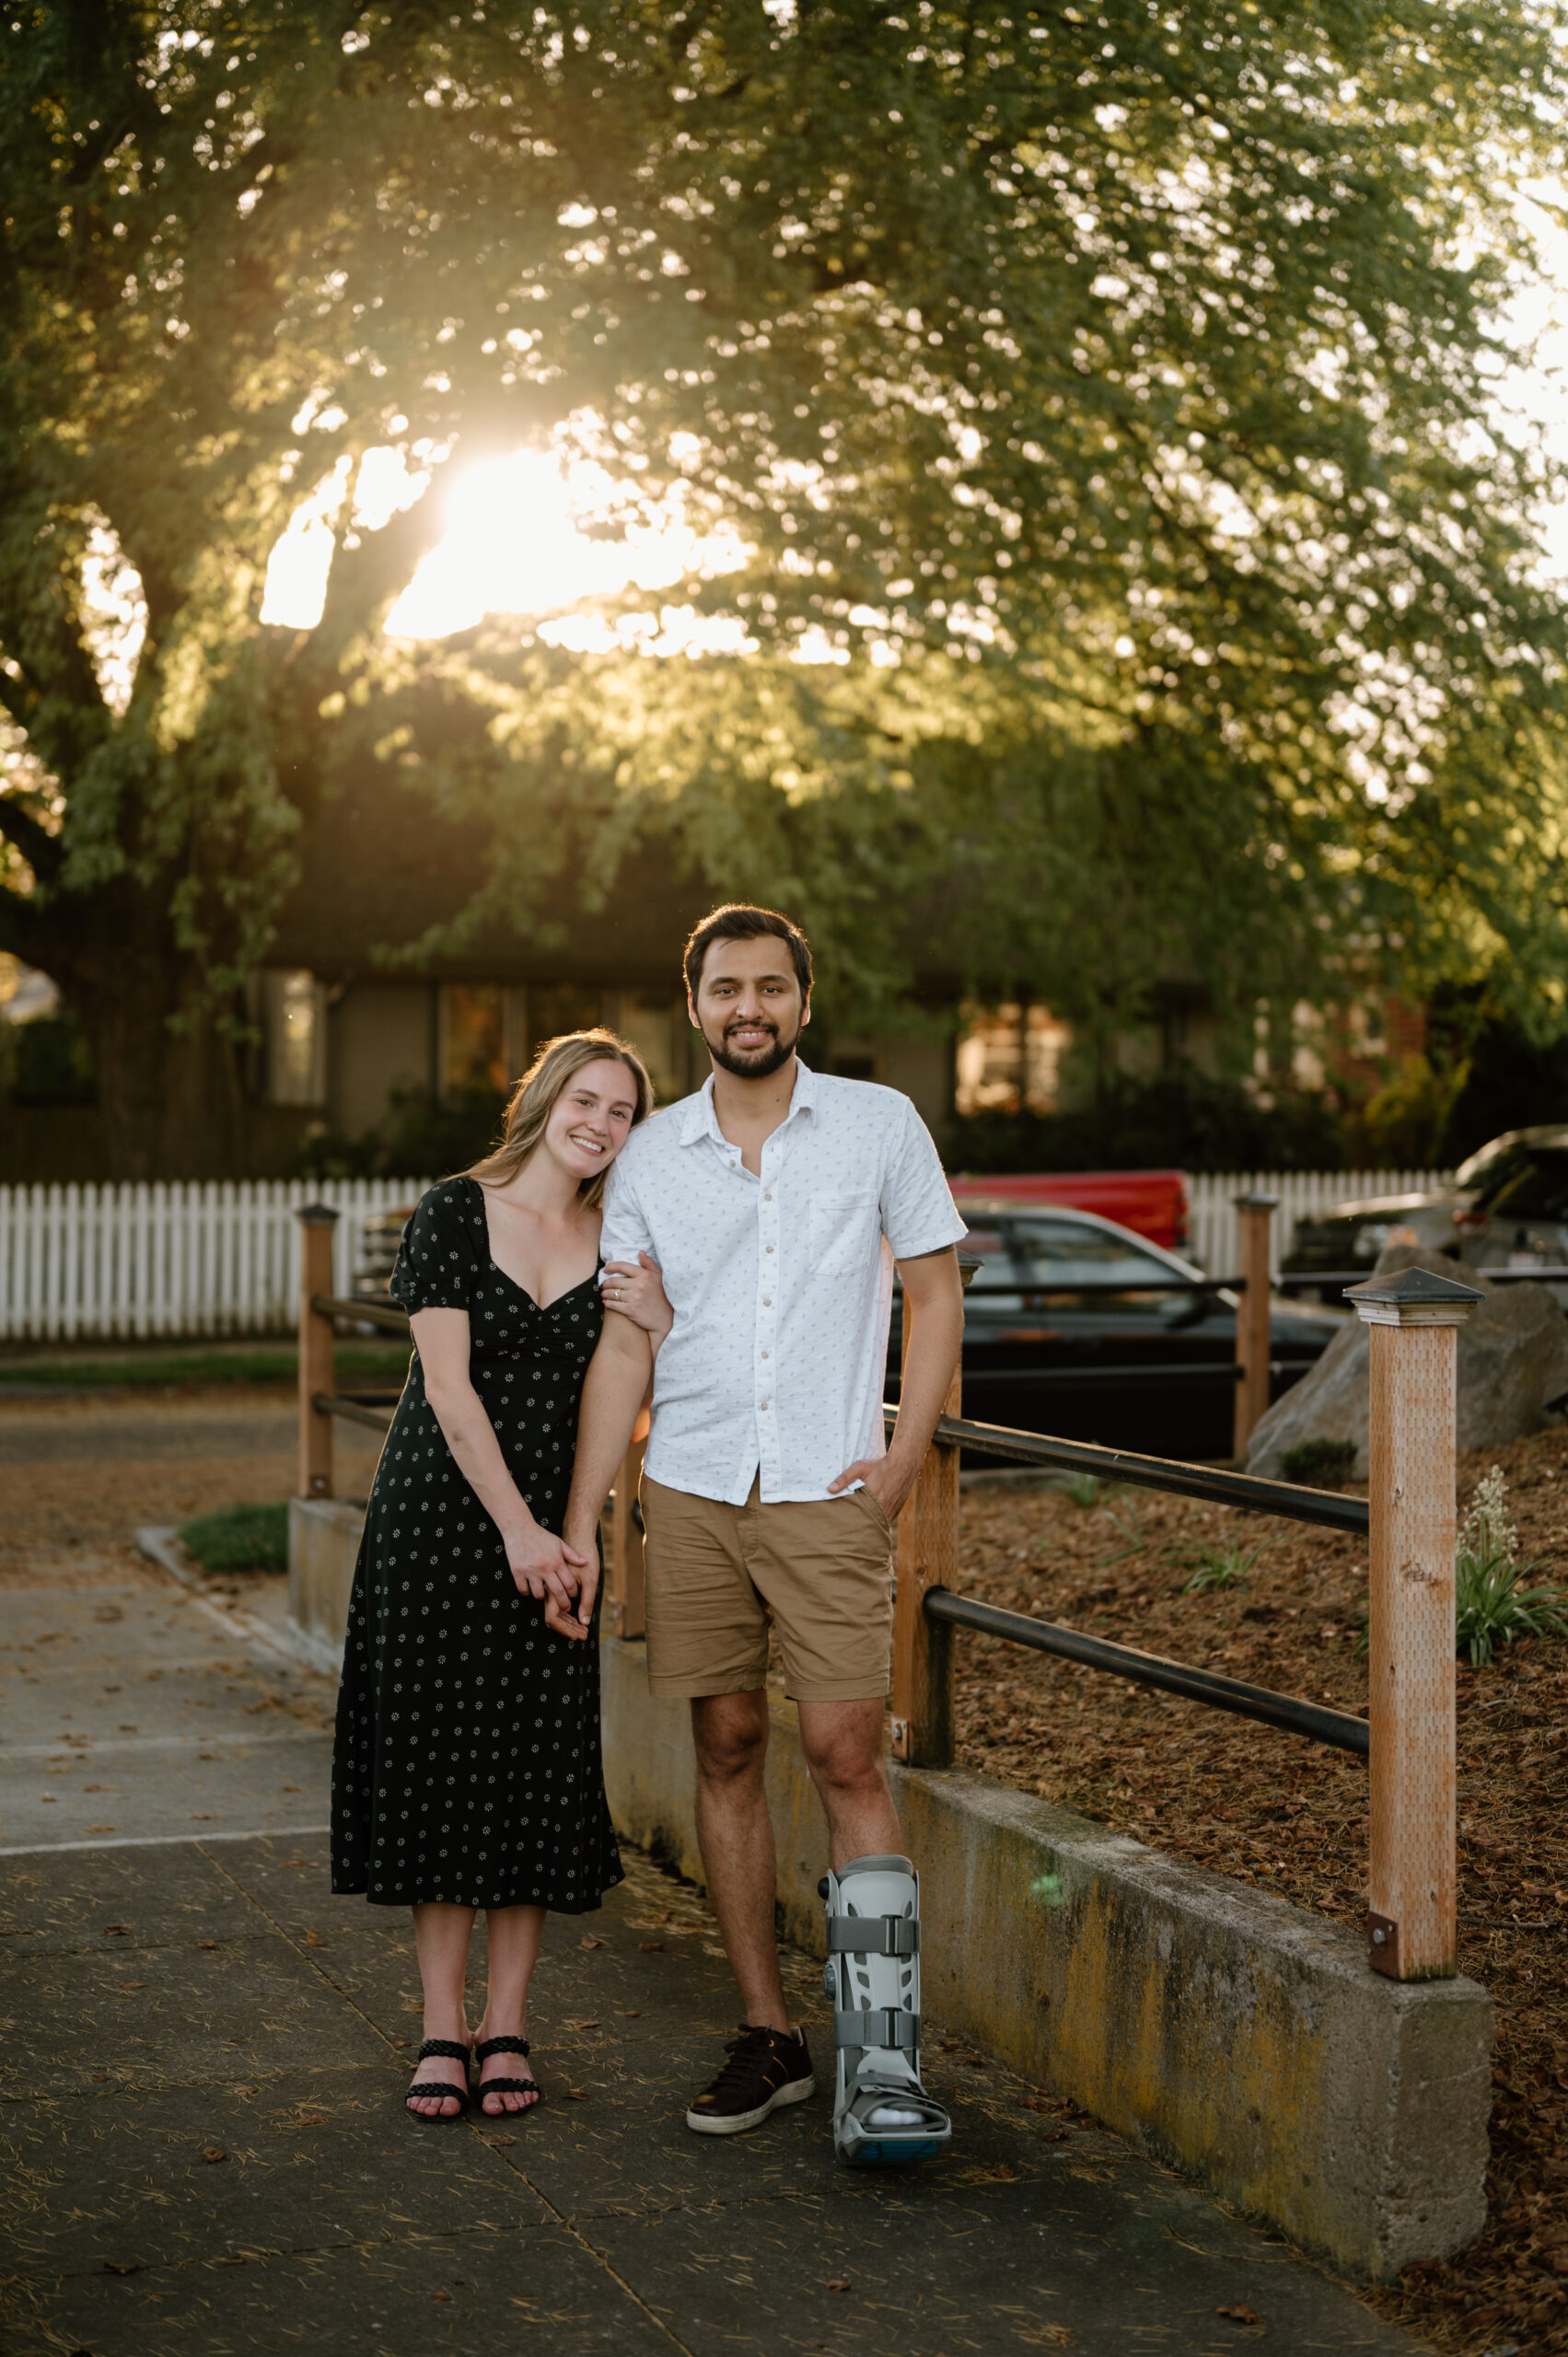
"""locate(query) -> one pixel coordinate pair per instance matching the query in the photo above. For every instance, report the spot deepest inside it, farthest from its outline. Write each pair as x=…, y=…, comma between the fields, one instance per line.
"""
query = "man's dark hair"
x=736, y=923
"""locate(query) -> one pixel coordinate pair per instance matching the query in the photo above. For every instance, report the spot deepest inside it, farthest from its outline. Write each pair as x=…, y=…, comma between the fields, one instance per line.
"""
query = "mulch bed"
x=1287, y=1815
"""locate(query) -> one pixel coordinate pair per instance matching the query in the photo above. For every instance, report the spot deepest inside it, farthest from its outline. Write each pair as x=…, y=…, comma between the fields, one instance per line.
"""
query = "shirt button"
x=767, y=1199
x=770, y=1248
x=767, y=1301
x=764, y=1354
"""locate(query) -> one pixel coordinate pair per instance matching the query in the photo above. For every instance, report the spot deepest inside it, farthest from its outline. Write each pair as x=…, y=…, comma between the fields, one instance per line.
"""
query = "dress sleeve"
x=438, y=1258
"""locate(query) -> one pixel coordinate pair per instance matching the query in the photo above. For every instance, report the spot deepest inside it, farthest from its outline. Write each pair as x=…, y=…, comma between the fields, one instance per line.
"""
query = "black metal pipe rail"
x=1104, y=1284
x=1184, y=1371
x=1338, y=1728
x=1293, y=1501
x=1298, y=1280
x=389, y=1313
x=332, y=1403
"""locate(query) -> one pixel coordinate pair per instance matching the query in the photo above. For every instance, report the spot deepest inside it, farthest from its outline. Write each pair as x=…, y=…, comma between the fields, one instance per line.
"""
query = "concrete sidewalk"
x=204, y=2051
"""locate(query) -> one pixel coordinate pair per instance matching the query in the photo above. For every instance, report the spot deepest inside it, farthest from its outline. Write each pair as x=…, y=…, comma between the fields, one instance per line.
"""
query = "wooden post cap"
x=1256, y=1202
x=316, y=1215
x=1415, y=1298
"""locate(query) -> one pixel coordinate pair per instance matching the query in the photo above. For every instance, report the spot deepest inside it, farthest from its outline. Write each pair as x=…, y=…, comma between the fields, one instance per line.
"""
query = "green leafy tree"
x=1108, y=388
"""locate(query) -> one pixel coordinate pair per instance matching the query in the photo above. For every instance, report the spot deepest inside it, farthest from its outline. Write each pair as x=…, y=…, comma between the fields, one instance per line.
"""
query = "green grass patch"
x=163, y=1369
x=239, y=1539
x=1225, y=1566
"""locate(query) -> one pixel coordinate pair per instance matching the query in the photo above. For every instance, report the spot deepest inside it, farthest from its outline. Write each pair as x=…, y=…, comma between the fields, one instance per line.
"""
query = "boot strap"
x=872, y=1935
x=881, y=2025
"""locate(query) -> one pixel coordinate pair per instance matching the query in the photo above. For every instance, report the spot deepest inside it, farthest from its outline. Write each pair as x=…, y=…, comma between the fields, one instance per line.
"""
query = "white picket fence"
x=1211, y=1205
x=105, y=1263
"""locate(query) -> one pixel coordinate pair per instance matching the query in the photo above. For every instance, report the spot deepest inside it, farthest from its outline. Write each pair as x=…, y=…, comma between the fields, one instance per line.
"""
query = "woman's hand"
x=545, y=1567
x=637, y=1292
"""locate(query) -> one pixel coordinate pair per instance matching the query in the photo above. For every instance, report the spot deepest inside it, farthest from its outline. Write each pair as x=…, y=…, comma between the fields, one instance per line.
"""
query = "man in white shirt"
x=775, y=1203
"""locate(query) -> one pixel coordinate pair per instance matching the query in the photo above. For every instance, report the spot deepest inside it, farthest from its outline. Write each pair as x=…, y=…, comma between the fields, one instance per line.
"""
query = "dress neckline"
x=543, y=1307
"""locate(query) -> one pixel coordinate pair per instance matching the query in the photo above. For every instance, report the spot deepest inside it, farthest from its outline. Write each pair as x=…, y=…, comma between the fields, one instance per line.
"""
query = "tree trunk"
x=168, y=1078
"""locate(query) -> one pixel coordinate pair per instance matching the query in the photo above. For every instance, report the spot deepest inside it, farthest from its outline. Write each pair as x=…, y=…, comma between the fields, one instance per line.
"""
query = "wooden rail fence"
x=1409, y=1518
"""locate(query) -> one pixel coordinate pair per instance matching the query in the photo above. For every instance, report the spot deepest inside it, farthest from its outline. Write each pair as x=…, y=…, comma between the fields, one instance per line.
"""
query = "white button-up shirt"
x=782, y=1284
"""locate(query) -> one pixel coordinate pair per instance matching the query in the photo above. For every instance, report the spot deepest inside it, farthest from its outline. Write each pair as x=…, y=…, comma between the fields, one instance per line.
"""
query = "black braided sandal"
x=482, y=2054
x=454, y=2053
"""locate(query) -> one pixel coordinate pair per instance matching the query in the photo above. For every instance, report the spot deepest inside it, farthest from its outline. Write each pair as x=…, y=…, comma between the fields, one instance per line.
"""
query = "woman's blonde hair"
x=533, y=1099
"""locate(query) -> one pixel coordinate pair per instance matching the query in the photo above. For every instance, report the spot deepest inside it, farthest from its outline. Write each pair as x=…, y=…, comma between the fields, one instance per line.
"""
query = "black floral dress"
x=466, y=1763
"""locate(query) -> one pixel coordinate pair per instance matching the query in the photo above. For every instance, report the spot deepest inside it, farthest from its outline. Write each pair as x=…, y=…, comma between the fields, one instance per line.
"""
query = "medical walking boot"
x=881, y=2113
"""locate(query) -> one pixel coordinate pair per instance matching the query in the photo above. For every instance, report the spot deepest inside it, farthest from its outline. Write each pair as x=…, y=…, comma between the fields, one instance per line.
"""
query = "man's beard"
x=755, y=1063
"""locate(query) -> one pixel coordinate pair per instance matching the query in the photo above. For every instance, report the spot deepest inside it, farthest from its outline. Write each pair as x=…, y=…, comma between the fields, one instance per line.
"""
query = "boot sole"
x=732, y=2123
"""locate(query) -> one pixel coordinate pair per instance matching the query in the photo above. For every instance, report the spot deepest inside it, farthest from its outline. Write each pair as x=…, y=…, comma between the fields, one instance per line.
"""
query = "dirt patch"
x=1289, y=1815
x=96, y=1497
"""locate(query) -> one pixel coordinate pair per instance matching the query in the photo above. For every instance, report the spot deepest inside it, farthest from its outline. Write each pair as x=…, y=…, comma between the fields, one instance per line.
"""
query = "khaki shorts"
x=824, y=1566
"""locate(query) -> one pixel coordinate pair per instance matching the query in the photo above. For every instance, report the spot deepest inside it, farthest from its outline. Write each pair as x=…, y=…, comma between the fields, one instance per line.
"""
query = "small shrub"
x=239, y=1539
x=1225, y=1566
x=1082, y=1489
x=1490, y=1609
x=1323, y=1464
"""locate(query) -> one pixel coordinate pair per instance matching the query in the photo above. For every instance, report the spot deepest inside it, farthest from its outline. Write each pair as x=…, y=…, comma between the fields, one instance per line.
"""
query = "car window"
x=1492, y=1167
x=1537, y=1190
x=1062, y=1254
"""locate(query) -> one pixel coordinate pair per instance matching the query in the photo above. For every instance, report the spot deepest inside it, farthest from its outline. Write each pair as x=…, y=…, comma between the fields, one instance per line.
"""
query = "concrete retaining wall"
x=324, y=1546
x=1220, y=2029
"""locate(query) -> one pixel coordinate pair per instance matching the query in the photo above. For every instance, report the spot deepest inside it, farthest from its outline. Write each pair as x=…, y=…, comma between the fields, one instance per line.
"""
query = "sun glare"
x=519, y=539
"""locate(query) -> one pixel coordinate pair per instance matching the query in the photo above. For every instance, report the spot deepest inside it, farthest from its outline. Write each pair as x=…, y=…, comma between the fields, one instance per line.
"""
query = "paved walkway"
x=204, y=2154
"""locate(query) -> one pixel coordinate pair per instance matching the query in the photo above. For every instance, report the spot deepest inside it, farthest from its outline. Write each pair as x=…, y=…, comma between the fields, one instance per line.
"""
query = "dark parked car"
x=1498, y=1204
x=1075, y=1325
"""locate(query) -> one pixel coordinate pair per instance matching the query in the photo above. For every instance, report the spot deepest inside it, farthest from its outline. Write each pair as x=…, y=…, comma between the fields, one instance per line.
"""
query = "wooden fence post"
x=316, y=1221
x=1253, y=1216
x=1414, y=1347
x=627, y=1617
x=926, y=1556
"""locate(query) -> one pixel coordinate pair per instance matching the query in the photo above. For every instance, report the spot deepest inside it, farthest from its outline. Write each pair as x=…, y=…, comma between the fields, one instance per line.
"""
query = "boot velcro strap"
x=872, y=1935
x=881, y=2025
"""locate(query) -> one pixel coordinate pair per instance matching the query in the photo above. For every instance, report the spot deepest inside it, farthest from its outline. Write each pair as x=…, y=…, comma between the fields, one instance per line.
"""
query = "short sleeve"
x=918, y=1211
x=438, y=1264
x=625, y=1232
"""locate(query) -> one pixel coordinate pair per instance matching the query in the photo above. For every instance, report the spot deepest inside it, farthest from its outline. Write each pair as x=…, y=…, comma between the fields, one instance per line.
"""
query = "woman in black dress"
x=466, y=1770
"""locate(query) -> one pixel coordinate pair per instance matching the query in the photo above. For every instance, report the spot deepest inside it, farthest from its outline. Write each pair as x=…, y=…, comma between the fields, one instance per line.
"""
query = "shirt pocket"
x=846, y=1230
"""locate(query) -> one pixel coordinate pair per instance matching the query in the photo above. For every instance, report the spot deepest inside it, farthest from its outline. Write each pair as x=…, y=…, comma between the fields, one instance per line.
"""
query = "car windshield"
x=1062, y=1254
x=1536, y=1189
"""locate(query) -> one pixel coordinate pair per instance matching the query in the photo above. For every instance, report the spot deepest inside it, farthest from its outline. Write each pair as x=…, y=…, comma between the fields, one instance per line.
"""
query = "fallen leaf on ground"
x=213, y=2153
x=838, y=2283
x=123, y=2267
x=1241, y=2313
x=650, y=1948
x=576, y=2095
x=591, y=1943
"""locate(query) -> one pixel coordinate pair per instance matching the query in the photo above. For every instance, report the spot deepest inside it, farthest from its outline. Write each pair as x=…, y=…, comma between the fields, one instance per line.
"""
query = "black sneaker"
x=765, y=2068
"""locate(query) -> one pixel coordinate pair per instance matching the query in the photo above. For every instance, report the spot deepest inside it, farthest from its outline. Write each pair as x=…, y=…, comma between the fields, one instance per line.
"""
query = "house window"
x=293, y=1037
x=652, y=1022
x=473, y=1039
x=555, y=1007
x=1009, y=1059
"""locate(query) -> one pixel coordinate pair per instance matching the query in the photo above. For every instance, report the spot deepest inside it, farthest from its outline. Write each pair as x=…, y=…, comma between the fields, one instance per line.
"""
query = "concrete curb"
x=1223, y=2030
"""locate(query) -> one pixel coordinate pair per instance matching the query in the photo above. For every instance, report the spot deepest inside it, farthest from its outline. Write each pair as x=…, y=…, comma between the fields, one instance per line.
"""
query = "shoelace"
x=737, y=2048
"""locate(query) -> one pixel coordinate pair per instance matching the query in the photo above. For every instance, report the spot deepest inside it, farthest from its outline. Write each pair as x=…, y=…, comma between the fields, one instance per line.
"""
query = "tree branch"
x=44, y=853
